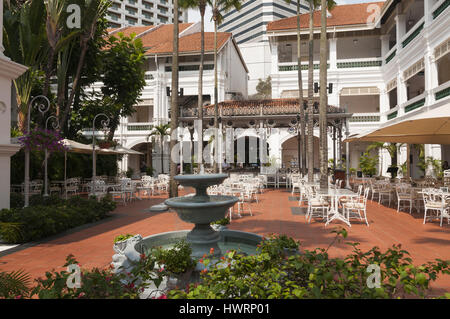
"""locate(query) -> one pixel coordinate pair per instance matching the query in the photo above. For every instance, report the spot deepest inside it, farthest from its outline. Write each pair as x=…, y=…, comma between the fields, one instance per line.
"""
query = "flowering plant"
x=41, y=139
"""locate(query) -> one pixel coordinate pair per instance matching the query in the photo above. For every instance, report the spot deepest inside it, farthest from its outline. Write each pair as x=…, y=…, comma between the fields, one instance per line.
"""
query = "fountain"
x=200, y=209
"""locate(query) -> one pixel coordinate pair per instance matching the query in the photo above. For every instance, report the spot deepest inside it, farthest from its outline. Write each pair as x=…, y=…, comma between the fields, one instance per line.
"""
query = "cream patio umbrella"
x=429, y=127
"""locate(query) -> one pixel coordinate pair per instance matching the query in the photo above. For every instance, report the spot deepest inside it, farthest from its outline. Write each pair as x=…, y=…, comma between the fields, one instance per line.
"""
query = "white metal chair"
x=404, y=194
x=317, y=205
x=435, y=202
x=359, y=206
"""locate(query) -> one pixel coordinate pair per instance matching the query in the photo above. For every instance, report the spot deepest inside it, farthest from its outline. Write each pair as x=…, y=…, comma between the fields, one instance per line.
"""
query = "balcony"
x=136, y=127
x=365, y=118
x=413, y=33
x=359, y=63
x=440, y=7
x=149, y=76
x=285, y=67
x=442, y=91
x=391, y=54
x=414, y=103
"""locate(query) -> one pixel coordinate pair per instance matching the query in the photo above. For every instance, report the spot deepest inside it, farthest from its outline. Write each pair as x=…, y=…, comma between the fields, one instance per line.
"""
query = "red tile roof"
x=191, y=43
x=352, y=14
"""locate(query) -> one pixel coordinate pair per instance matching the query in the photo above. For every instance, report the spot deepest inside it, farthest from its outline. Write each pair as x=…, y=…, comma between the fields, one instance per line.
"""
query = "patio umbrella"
x=124, y=150
x=429, y=127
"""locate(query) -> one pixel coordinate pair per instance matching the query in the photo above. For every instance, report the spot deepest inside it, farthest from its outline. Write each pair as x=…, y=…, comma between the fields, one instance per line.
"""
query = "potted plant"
x=120, y=241
x=280, y=245
x=177, y=263
x=368, y=164
x=220, y=224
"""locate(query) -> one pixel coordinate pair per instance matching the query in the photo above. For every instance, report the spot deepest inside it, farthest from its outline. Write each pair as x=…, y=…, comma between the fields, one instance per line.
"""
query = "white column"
x=384, y=45
x=384, y=103
x=427, y=6
x=431, y=77
x=401, y=29
x=401, y=93
x=333, y=53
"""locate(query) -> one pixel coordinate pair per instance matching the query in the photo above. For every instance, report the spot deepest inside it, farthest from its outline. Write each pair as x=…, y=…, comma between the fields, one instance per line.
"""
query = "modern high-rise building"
x=249, y=23
x=142, y=12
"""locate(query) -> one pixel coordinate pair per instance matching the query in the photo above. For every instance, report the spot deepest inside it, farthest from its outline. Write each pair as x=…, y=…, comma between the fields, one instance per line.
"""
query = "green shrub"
x=122, y=237
x=314, y=275
x=176, y=260
x=50, y=216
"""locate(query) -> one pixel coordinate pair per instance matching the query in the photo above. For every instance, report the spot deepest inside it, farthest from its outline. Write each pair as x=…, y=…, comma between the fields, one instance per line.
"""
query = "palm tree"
x=313, y=5
x=390, y=147
x=201, y=5
x=93, y=11
x=173, y=187
x=218, y=7
x=323, y=101
x=161, y=130
x=25, y=43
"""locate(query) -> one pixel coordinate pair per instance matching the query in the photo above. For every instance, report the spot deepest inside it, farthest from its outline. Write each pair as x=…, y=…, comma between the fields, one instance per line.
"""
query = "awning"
x=430, y=127
x=76, y=147
x=123, y=150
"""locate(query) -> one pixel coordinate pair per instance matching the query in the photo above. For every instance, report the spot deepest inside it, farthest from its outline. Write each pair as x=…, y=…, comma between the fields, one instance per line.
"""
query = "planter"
x=218, y=227
x=179, y=280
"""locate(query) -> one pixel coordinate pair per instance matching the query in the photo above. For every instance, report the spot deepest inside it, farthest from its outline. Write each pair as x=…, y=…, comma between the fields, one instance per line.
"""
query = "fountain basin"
x=228, y=240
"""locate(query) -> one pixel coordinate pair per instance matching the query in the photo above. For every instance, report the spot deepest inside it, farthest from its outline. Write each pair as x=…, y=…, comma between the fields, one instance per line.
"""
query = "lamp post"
x=55, y=126
x=104, y=123
x=42, y=107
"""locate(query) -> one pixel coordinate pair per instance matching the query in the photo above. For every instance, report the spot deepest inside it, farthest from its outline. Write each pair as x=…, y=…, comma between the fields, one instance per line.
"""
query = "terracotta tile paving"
x=275, y=213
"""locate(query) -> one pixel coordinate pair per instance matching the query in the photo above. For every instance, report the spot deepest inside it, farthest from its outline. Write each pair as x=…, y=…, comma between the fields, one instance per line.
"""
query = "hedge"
x=49, y=216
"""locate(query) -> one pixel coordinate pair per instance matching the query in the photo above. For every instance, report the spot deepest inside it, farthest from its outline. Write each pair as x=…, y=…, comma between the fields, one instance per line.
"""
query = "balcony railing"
x=415, y=103
x=294, y=67
x=442, y=91
x=391, y=55
x=441, y=8
x=392, y=113
x=359, y=63
x=144, y=126
x=413, y=33
x=365, y=118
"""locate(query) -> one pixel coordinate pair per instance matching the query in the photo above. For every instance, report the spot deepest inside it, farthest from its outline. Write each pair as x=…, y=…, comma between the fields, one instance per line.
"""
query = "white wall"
x=257, y=56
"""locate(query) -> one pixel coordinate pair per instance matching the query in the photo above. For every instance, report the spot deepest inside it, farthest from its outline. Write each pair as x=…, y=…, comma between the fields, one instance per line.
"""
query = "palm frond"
x=14, y=283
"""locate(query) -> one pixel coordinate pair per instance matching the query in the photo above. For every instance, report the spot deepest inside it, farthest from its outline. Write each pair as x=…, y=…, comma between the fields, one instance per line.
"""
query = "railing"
x=391, y=55
x=365, y=118
x=415, y=103
x=359, y=63
x=442, y=91
x=393, y=113
x=438, y=8
x=294, y=67
x=413, y=33
x=144, y=126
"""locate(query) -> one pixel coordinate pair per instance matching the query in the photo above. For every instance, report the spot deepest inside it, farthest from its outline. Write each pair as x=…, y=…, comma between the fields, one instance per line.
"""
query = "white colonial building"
x=154, y=109
x=387, y=61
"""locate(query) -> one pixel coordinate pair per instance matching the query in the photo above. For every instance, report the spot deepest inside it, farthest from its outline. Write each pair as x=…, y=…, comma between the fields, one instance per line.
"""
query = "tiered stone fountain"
x=200, y=210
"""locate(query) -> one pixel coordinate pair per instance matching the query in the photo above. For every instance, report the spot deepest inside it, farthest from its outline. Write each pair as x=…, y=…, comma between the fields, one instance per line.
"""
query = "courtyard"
x=277, y=211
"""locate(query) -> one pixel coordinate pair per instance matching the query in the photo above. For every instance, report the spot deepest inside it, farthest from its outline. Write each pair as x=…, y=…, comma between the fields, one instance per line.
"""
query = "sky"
x=194, y=16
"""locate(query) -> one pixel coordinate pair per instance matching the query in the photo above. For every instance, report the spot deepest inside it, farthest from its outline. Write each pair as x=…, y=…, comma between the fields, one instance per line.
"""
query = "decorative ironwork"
x=441, y=9
x=413, y=35
x=391, y=56
x=414, y=105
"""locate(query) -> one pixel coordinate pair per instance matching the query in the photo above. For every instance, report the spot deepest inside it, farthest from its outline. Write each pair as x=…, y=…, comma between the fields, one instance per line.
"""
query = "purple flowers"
x=41, y=139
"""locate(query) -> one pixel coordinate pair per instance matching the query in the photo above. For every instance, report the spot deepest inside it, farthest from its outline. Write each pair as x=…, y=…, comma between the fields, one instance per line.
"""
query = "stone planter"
x=179, y=280
x=218, y=227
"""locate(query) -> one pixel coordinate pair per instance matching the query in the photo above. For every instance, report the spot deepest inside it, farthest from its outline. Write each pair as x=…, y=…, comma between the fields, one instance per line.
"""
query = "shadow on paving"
x=120, y=217
x=313, y=235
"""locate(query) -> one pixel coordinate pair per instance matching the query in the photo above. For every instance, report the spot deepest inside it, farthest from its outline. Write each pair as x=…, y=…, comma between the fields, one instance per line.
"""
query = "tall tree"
x=93, y=12
x=201, y=5
x=313, y=5
x=173, y=187
x=323, y=101
x=219, y=7
x=25, y=43
x=161, y=130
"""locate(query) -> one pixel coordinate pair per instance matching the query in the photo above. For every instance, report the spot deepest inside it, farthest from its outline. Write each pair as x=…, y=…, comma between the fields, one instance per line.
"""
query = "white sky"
x=194, y=15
